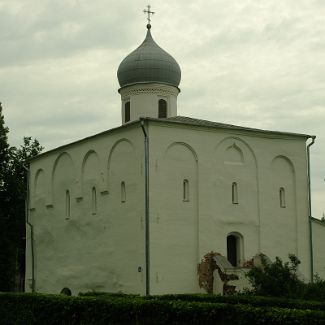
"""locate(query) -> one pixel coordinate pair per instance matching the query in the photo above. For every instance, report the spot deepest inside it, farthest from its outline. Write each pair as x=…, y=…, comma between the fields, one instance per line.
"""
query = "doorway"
x=232, y=250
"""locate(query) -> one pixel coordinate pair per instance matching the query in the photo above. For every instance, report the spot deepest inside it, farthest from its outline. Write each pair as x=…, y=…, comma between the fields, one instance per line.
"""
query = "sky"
x=251, y=63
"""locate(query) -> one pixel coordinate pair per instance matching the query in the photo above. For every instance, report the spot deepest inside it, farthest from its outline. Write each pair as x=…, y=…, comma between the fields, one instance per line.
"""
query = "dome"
x=149, y=63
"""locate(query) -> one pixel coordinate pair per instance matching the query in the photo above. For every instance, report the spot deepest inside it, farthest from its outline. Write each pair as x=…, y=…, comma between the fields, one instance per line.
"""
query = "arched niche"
x=40, y=185
x=63, y=177
x=179, y=169
x=233, y=155
x=182, y=150
x=122, y=165
x=177, y=203
x=282, y=204
x=90, y=181
x=234, y=150
x=282, y=165
x=283, y=182
x=90, y=168
x=236, y=191
x=123, y=206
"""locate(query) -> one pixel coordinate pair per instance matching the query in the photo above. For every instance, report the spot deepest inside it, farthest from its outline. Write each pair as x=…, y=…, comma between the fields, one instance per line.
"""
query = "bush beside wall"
x=104, y=309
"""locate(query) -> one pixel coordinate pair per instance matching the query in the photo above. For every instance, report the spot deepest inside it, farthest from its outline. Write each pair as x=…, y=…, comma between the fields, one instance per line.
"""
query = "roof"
x=205, y=123
x=181, y=120
x=149, y=63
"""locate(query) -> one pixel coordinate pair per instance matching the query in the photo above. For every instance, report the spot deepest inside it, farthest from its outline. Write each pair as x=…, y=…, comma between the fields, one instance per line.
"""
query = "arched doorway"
x=234, y=249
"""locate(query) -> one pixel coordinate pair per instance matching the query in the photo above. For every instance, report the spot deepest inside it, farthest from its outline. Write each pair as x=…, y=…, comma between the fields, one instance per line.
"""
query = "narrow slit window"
x=234, y=193
x=162, y=108
x=93, y=200
x=67, y=204
x=186, y=191
x=127, y=114
x=282, y=197
x=123, y=192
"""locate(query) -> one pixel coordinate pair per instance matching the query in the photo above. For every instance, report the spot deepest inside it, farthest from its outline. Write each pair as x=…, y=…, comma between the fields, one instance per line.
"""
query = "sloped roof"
x=182, y=120
x=205, y=123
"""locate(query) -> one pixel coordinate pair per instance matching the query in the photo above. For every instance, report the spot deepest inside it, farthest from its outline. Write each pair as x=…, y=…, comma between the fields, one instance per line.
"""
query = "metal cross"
x=149, y=13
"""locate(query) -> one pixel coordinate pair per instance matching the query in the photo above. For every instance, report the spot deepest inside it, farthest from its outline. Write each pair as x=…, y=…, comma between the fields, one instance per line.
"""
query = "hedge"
x=57, y=309
x=247, y=299
x=256, y=301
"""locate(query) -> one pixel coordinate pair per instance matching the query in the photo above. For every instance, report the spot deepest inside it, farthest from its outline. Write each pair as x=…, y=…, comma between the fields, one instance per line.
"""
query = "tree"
x=5, y=270
x=277, y=279
x=13, y=189
x=4, y=149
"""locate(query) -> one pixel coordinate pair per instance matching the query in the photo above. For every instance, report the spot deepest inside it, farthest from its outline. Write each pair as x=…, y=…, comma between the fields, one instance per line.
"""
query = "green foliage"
x=4, y=151
x=315, y=290
x=60, y=309
x=280, y=279
x=106, y=294
x=277, y=279
x=256, y=301
x=6, y=268
x=13, y=189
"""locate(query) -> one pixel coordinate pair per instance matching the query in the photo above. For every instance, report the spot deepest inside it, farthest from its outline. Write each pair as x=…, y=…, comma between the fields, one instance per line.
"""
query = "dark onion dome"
x=149, y=63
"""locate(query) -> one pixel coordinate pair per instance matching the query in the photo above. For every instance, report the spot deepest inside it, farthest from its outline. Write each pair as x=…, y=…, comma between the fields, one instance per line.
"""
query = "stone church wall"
x=208, y=187
x=319, y=246
x=88, y=227
x=215, y=160
x=174, y=218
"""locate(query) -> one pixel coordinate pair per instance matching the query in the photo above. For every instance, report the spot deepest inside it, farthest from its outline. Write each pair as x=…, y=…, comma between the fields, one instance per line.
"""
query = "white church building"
x=135, y=209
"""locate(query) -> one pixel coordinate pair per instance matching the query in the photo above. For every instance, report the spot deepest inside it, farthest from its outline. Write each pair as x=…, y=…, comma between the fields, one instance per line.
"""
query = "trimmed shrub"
x=109, y=309
x=242, y=299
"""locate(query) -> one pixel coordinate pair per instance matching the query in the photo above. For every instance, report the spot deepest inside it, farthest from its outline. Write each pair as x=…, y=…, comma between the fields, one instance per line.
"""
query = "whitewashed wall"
x=212, y=159
x=95, y=247
x=144, y=99
x=102, y=249
x=319, y=247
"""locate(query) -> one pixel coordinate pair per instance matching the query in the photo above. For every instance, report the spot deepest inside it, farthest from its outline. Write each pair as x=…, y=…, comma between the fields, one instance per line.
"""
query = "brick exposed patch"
x=205, y=271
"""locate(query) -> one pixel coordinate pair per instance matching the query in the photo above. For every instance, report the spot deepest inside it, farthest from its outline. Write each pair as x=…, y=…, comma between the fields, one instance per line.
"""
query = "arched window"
x=234, y=249
x=67, y=204
x=234, y=193
x=186, y=191
x=282, y=197
x=127, y=113
x=123, y=192
x=93, y=200
x=162, y=108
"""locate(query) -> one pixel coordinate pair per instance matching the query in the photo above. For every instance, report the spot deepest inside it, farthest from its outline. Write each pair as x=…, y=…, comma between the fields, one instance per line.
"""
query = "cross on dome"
x=149, y=13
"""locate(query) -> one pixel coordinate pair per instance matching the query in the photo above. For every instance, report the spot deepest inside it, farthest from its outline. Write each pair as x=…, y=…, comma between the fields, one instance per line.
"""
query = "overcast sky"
x=247, y=62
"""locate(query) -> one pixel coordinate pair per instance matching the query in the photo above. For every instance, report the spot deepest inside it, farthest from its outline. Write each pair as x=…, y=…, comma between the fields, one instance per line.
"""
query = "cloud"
x=251, y=63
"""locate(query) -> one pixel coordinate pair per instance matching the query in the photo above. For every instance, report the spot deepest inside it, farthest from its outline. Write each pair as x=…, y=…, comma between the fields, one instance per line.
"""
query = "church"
x=136, y=208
